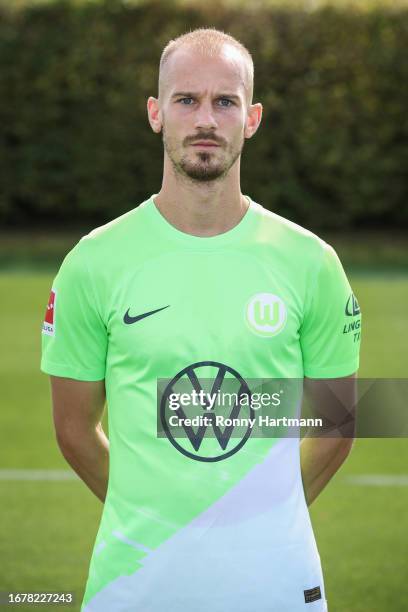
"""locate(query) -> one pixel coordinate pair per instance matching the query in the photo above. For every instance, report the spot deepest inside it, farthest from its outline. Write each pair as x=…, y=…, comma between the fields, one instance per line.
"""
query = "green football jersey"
x=208, y=525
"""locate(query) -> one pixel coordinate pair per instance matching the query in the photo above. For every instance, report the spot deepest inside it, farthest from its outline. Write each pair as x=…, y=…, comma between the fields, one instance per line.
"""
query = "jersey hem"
x=344, y=369
x=57, y=369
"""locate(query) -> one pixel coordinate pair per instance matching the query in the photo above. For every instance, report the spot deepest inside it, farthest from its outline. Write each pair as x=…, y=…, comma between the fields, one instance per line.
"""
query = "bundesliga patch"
x=49, y=325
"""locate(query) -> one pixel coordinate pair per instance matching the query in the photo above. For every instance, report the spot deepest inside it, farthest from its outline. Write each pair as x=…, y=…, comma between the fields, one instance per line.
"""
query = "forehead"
x=188, y=68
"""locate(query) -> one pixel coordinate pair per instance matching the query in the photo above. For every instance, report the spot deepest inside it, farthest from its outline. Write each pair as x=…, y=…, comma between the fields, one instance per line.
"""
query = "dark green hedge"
x=76, y=145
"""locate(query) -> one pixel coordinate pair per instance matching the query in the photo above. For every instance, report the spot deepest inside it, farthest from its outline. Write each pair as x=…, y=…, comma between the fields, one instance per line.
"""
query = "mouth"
x=206, y=144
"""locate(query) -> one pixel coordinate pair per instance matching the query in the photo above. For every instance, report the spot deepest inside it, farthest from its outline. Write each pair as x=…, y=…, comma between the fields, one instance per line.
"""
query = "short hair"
x=209, y=42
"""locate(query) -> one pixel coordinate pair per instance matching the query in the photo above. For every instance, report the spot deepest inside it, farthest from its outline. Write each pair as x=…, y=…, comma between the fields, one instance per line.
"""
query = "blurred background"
x=76, y=151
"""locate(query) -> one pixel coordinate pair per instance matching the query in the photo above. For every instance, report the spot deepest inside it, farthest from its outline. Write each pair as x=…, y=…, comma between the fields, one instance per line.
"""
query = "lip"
x=205, y=144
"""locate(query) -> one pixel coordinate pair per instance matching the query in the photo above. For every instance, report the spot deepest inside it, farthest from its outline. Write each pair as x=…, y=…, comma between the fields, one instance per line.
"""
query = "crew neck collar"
x=201, y=241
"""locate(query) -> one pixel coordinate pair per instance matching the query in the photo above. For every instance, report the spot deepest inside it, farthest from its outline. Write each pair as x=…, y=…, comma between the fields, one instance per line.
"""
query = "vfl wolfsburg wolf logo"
x=266, y=314
x=193, y=404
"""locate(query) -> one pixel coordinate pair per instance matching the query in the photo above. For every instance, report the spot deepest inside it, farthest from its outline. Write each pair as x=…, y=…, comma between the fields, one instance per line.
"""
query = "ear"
x=254, y=116
x=154, y=114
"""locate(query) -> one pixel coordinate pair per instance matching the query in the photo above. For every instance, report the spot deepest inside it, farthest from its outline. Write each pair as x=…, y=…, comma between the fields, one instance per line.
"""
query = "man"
x=198, y=280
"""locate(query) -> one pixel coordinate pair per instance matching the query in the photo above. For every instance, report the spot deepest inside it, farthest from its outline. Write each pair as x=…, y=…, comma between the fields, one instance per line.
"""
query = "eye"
x=226, y=100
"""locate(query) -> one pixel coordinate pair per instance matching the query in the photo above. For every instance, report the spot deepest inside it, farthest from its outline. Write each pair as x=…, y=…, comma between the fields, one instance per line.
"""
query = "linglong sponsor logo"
x=352, y=306
x=352, y=310
x=195, y=443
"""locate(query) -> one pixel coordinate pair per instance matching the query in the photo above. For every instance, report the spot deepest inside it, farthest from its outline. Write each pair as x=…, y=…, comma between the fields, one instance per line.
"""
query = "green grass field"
x=48, y=527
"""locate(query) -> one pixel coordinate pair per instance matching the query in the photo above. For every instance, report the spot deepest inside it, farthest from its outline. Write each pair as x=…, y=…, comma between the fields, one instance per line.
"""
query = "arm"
x=77, y=410
x=321, y=456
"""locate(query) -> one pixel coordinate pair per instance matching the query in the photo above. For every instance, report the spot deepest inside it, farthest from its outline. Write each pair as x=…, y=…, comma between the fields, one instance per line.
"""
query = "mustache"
x=203, y=136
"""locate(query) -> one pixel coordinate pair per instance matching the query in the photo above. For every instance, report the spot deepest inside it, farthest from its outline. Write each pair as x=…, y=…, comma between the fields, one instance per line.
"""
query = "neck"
x=201, y=209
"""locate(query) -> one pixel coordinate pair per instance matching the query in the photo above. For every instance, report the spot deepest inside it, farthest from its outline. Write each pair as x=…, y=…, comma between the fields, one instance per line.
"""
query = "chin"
x=204, y=175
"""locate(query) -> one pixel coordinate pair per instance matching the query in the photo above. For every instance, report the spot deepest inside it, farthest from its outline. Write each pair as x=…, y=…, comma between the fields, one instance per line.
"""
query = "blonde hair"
x=209, y=42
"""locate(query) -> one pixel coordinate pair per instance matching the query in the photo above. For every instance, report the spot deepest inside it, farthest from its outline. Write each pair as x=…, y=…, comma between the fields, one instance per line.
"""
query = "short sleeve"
x=74, y=336
x=331, y=329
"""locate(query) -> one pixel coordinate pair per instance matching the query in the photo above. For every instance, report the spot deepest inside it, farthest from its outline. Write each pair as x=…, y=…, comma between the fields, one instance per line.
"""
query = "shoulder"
x=101, y=253
x=290, y=237
x=105, y=244
x=123, y=227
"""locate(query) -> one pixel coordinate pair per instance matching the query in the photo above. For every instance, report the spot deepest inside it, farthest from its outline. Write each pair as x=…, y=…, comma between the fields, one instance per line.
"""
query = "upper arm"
x=75, y=338
x=78, y=406
x=334, y=400
x=330, y=330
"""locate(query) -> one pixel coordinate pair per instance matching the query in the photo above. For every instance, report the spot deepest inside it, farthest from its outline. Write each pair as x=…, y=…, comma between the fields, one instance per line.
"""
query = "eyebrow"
x=192, y=94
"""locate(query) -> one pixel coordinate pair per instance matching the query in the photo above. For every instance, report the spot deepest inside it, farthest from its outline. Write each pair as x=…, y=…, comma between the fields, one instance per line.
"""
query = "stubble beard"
x=205, y=168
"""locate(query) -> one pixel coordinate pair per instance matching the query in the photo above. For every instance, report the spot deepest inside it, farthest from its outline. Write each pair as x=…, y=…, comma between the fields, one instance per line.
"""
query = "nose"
x=204, y=118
